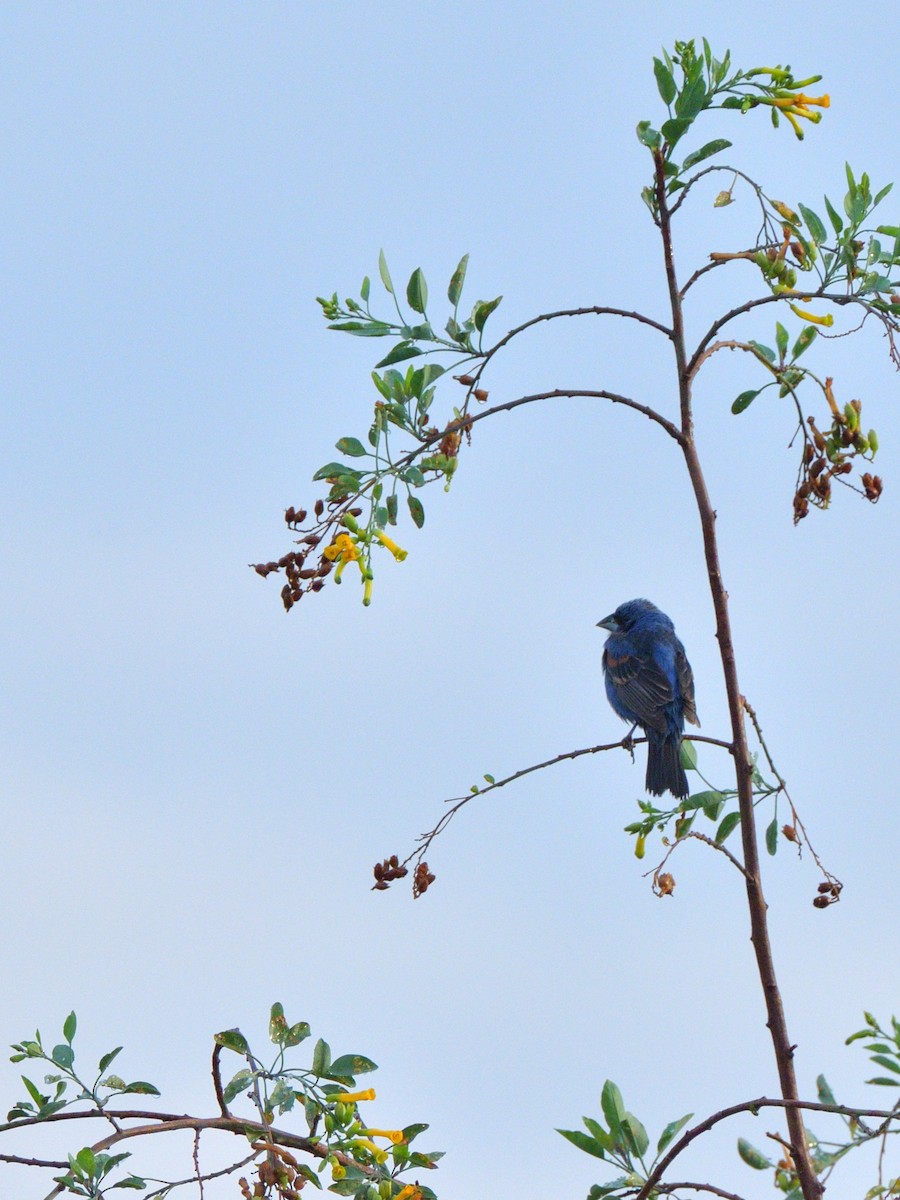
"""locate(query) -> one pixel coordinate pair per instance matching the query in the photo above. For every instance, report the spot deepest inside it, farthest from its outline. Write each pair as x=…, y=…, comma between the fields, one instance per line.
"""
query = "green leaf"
x=416, y=511
x=384, y=272
x=141, y=1088
x=824, y=1092
x=454, y=291
x=69, y=1027
x=107, y=1059
x=351, y=446
x=753, y=1157
x=781, y=338
x=648, y=136
x=277, y=1023
x=714, y=147
x=363, y=328
x=583, y=1141
x=232, y=1039
x=833, y=216
x=426, y=376
x=33, y=1092
x=744, y=400
x=804, y=340
x=133, y=1181
x=636, y=1134
x=297, y=1033
x=412, y=1131
x=883, y=1082
x=729, y=824
x=364, y=290
x=879, y=196
x=671, y=1130
x=349, y=1065
x=417, y=291
x=401, y=351
x=114, y=1082
x=772, y=836
x=766, y=351
x=884, y=1061
x=237, y=1084
x=392, y=508
x=691, y=100
x=482, y=311
x=664, y=81
x=673, y=129
x=712, y=804
x=688, y=755
x=334, y=470
x=63, y=1056
x=613, y=1108
x=596, y=1130
x=86, y=1160
x=700, y=800
x=321, y=1059
x=599, y=1190
x=814, y=224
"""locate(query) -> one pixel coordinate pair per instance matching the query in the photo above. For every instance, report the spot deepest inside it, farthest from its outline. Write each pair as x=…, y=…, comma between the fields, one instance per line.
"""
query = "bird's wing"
x=686, y=681
x=641, y=686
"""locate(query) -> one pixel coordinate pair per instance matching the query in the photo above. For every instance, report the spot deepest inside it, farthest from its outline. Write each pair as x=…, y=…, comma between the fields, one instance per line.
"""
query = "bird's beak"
x=609, y=623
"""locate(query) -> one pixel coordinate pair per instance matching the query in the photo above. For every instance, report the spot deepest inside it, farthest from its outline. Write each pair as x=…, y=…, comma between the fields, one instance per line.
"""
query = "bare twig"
x=701, y=837
x=217, y=1081
x=782, y=785
x=458, y=802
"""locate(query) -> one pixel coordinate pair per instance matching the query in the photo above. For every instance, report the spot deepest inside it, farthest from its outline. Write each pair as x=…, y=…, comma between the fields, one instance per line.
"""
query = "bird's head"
x=626, y=614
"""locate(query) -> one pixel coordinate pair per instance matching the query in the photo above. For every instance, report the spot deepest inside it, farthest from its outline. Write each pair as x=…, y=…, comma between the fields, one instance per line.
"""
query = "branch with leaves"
x=813, y=271
x=355, y=1157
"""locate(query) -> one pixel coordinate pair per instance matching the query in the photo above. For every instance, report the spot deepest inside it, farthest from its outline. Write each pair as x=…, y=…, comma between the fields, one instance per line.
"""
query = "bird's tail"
x=664, y=770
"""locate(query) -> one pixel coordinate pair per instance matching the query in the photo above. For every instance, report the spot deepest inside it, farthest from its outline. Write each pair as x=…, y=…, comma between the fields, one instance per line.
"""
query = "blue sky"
x=196, y=785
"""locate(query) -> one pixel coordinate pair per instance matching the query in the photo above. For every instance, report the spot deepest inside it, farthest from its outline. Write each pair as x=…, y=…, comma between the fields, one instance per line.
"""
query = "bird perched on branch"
x=649, y=682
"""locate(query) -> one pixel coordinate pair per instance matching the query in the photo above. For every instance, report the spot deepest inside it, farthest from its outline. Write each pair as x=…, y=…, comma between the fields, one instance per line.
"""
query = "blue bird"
x=649, y=682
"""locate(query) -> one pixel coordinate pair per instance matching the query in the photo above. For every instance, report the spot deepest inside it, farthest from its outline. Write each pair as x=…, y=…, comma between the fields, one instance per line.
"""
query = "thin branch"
x=833, y=298
x=671, y=1188
x=217, y=1081
x=168, y=1187
x=751, y=713
x=34, y=1162
x=682, y=196
x=753, y=1106
x=596, y=310
x=557, y=394
x=459, y=802
x=701, y=837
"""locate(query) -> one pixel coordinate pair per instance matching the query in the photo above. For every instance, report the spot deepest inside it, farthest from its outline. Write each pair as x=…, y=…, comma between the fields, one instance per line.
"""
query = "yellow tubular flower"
x=827, y=320
x=793, y=120
x=800, y=111
x=407, y=1192
x=798, y=101
x=391, y=545
x=377, y=1153
x=351, y=1097
x=342, y=547
x=395, y=1135
x=367, y=591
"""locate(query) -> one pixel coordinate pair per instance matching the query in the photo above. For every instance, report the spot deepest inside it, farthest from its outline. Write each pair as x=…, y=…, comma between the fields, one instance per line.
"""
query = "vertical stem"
x=759, y=932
